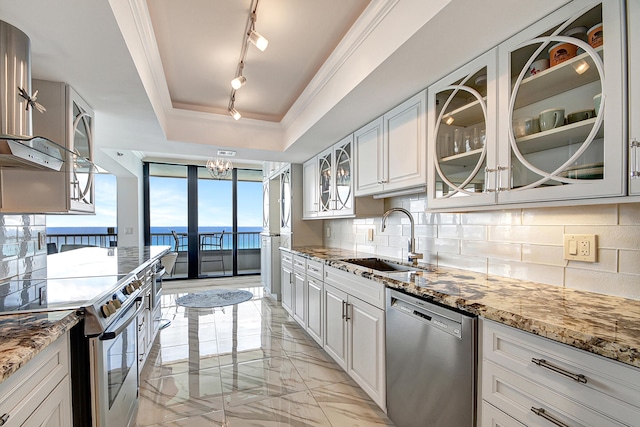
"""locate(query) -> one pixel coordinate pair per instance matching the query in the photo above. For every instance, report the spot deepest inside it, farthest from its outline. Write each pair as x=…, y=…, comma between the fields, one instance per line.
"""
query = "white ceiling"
x=157, y=72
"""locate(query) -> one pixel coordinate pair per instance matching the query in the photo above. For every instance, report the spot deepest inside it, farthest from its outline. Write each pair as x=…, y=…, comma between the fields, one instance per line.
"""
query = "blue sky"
x=169, y=204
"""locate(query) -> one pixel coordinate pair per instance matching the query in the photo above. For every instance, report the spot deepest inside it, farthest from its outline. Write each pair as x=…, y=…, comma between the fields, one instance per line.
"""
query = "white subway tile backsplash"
x=492, y=250
x=543, y=254
x=508, y=217
x=547, y=235
x=572, y=215
x=624, y=285
x=477, y=264
x=607, y=261
x=629, y=262
x=522, y=243
x=611, y=237
x=548, y=274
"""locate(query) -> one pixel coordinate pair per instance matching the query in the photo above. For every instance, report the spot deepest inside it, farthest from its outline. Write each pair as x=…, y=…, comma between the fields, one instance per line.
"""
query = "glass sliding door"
x=215, y=225
x=248, y=220
x=168, y=213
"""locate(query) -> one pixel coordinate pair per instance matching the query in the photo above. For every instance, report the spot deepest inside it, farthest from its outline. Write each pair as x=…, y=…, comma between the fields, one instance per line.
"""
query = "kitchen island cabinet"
x=39, y=393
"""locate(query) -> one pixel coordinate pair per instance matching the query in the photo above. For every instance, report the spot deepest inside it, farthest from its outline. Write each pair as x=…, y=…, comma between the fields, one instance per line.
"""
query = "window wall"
x=217, y=221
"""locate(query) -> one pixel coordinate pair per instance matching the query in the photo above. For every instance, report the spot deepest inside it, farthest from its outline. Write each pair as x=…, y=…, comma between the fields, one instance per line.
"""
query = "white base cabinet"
x=287, y=280
x=539, y=382
x=354, y=330
x=39, y=394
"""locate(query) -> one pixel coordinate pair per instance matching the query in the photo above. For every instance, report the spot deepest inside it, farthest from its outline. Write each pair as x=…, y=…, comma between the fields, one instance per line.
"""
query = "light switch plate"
x=580, y=247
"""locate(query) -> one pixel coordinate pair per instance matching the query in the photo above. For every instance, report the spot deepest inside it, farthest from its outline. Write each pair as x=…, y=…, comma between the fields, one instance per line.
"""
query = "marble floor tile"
x=297, y=409
x=257, y=380
x=245, y=365
x=317, y=369
x=345, y=404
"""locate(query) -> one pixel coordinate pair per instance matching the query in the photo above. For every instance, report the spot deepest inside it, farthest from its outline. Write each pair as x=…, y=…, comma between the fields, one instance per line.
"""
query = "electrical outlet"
x=580, y=247
x=370, y=234
x=328, y=232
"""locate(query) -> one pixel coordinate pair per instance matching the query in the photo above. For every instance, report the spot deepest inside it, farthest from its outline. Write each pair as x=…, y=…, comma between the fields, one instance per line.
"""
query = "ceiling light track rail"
x=250, y=36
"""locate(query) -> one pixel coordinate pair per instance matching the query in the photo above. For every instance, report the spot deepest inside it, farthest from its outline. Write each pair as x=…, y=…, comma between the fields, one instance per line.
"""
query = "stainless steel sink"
x=379, y=265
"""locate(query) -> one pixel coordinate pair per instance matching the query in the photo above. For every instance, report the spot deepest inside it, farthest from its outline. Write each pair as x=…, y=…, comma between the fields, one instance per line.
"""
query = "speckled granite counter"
x=601, y=324
x=22, y=336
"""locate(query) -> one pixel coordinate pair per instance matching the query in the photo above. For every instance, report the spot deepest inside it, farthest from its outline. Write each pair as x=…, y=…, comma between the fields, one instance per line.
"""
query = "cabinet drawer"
x=287, y=259
x=299, y=264
x=25, y=390
x=494, y=417
x=365, y=289
x=517, y=395
x=315, y=269
x=612, y=387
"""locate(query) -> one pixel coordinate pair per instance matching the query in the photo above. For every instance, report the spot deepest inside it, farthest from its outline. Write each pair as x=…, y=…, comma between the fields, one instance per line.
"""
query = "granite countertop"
x=601, y=324
x=22, y=336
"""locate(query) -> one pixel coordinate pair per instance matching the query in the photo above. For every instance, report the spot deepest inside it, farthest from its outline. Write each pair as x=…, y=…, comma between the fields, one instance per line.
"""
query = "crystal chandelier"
x=219, y=168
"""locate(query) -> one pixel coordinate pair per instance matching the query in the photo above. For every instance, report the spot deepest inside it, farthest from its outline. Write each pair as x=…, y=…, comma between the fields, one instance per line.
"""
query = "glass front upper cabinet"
x=561, y=107
x=335, y=185
x=462, y=129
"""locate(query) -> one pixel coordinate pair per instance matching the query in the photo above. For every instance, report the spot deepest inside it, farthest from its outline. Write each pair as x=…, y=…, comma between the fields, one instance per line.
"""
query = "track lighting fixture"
x=258, y=40
x=250, y=35
x=238, y=82
x=234, y=113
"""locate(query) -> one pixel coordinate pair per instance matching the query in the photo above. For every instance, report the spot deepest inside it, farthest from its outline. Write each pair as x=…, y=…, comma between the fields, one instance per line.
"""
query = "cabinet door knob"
x=3, y=419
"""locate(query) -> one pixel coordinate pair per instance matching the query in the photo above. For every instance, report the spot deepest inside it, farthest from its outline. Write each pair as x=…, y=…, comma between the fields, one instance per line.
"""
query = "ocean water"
x=159, y=235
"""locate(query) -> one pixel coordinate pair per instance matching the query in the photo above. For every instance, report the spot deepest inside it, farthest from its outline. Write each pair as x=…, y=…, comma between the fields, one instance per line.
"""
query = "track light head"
x=234, y=113
x=258, y=40
x=238, y=82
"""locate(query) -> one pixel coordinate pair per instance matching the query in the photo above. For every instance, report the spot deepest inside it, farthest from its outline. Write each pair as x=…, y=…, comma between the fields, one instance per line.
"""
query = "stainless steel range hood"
x=18, y=148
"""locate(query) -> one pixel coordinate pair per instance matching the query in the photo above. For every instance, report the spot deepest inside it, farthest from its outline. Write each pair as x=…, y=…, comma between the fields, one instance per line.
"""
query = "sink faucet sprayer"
x=412, y=256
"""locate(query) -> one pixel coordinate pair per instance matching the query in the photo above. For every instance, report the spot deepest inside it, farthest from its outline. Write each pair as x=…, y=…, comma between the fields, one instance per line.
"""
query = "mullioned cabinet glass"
x=461, y=135
x=335, y=184
x=561, y=81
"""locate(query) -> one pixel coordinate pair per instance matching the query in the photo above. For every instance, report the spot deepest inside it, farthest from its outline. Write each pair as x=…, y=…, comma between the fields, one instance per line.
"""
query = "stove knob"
x=104, y=309
x=116, y=303
x=112, y=307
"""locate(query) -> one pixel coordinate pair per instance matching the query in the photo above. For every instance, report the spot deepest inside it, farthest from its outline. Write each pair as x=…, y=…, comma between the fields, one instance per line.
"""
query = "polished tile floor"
x=244, y=365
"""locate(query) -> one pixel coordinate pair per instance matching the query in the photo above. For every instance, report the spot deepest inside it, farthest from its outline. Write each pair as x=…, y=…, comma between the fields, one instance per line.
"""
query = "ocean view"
x=160, y=236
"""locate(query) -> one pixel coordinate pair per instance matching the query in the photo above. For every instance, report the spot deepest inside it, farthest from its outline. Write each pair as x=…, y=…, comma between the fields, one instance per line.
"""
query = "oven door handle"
x=122, y=324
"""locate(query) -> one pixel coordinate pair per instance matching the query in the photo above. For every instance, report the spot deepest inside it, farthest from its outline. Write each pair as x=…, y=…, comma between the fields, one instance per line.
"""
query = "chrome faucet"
x=412, y=256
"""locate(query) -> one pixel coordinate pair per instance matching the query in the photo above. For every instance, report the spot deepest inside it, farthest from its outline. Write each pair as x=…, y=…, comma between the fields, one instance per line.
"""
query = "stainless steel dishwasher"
x=431, y=364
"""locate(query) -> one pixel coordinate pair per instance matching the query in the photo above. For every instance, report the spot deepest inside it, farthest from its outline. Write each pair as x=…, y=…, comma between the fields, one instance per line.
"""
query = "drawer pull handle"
x=3, y=419
x=344, y=315
x=542, y=413
x=544, y=364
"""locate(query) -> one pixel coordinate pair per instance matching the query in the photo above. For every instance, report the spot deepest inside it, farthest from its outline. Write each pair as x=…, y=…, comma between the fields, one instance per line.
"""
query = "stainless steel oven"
x=114, y=370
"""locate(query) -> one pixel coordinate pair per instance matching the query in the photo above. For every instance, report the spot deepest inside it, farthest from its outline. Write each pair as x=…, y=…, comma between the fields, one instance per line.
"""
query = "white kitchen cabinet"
x=287, y=280
x=330, y=190
x=293, y=230
x=365, y=338
x=533, y=379
x=69, y=122
x=335, y=330
x=462, y=135
x=397, y=161
x=310, y=193
x=315, y=289
x=354, y=329
x=39, y=393
x=299, y=291
x=576, y=159
x=633, y=31
x=493, y=417
x=270, y=265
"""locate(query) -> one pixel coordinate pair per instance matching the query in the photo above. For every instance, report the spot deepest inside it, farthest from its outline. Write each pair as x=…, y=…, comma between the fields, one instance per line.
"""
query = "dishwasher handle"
x=428, y=317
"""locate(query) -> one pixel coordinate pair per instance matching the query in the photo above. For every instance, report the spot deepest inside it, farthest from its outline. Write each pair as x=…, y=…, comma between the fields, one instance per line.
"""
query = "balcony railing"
x=213, y=260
